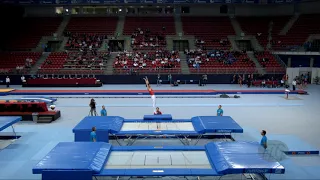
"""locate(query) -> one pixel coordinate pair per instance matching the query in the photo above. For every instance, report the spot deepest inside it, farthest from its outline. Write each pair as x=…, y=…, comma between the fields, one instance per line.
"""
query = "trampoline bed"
x=82, y=160
x=115, y=127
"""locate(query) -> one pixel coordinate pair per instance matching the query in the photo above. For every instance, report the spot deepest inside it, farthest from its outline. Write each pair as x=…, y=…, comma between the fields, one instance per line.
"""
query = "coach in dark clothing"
x=93, y=107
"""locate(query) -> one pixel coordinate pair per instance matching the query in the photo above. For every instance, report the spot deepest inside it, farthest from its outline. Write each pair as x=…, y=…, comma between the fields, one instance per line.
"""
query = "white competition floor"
x=298, y=117
x=158, y=159
x=144, y=126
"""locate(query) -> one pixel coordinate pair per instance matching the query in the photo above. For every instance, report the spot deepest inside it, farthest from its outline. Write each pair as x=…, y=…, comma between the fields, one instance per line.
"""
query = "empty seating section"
x=209, y=29
x=259, y=27
x=300, y=31
x=92, y=25
x=149, y=32
x=10, y=60
x=53, y=63
x=269, y=62
x=32, y=30
x=221, y=62
x=73, y=63
x=154, y=24
x=148, y=62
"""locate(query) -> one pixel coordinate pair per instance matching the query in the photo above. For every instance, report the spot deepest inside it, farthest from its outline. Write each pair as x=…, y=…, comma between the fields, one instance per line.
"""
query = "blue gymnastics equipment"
x=117, y=127
x=84, y=160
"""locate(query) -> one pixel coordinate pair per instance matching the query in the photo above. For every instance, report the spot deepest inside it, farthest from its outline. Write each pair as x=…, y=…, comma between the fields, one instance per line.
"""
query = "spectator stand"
x=17, y=62
x=210, y=32
x=149, y=33
x=152, y=62
x=75, y=62
x=270, y=63
x=218, y=60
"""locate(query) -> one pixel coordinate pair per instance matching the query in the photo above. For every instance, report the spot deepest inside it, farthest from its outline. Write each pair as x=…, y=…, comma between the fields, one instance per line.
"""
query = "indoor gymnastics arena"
x=159, y=90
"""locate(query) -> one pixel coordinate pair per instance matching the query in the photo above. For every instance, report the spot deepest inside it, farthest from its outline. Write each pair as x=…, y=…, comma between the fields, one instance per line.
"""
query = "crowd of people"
x=146, y=39
x=84, y=41
x=202, y=44
x=197, y=57
x=87, y=60
x=152, y=60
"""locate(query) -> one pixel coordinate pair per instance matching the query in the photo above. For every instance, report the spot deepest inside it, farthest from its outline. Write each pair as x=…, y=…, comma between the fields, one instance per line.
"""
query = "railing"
x=272, y=70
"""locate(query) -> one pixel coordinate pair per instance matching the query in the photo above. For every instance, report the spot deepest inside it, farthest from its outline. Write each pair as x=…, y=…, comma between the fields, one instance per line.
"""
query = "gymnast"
x=153, y=97
x=158, y=112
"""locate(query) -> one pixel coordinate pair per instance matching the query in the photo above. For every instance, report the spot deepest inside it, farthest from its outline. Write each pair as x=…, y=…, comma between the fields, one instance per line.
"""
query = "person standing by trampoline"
x=219, y=111
x=93, y=135
x=264, y=139
x=153, y=97
x=93, y=107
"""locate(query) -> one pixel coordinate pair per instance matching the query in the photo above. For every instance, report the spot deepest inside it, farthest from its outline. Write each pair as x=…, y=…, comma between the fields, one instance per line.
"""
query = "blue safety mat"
x=242, y=157
x=75, y=156
x=112, y=124
x=215, y=124
x=158, y=117
x=6, y=121
x=224, y=157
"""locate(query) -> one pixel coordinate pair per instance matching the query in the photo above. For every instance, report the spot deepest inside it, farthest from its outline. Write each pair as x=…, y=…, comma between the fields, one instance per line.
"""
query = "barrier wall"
x=138, y=79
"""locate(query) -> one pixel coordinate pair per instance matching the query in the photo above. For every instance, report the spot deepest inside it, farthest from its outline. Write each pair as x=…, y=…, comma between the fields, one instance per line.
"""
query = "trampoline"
x=83, y=160
x=155, y=126
x=7, y=121
x=47, y=100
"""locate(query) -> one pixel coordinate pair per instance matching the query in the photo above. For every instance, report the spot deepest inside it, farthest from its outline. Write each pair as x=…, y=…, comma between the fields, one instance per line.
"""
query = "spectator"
x=219, y=111
x=294, y=83
x=263, y=83
x=23, y=79
x=103, y=111
x=170, y=78
x=8, y=81
x=264, y=139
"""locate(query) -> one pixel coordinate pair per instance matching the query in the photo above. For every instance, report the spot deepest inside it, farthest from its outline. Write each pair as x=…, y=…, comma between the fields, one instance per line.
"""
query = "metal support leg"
x=198, y=139
x=181, y=140
x=117, y=139
x=14, y=132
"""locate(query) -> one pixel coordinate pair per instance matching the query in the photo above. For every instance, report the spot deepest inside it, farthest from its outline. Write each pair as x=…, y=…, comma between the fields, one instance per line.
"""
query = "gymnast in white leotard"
x=153, y=97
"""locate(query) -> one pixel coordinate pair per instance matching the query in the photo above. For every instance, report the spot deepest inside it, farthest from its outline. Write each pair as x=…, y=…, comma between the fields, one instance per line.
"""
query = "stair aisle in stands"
x=120, y=25
x=41, y=60
x=256, y=62
x=289, y=24
x=178, y=24
x=109, y=65
x=63, y=26
x=236, y=26
x=184, y=64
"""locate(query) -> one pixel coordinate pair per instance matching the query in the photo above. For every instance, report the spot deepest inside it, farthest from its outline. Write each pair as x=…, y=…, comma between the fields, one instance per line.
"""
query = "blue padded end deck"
x=6, y=121
x=241, y=157
x=215, y=124
x=158, y=117
x=75, y=156
x=109, y=123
